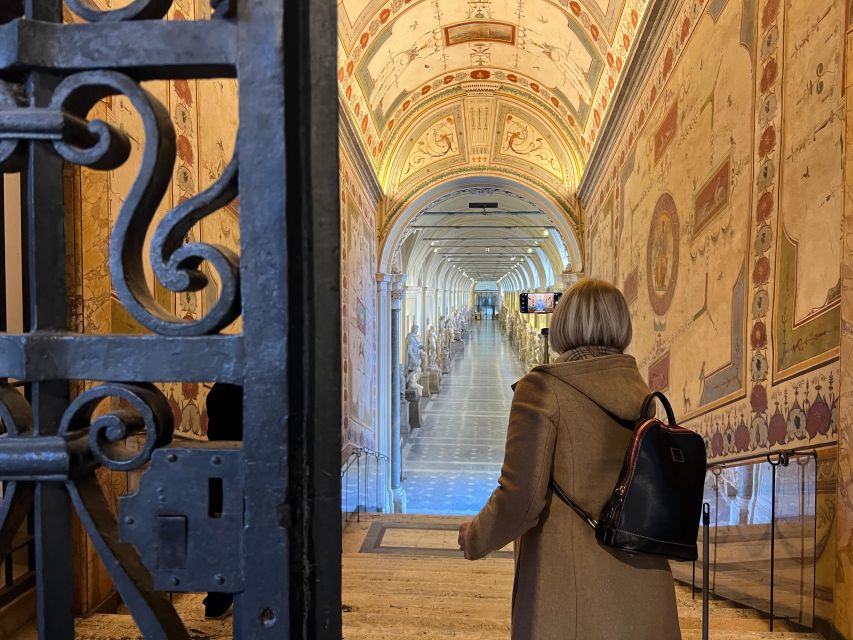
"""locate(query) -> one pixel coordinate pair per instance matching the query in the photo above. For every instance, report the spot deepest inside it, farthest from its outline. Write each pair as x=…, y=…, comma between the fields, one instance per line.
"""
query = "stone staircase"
x=407, y=586
x=404, y=579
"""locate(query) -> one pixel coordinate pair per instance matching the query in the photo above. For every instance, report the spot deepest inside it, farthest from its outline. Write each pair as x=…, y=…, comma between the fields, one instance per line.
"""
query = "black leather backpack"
x=657, y=502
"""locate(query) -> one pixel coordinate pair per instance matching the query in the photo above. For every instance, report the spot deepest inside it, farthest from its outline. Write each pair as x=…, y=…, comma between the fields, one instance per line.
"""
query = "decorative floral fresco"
x=440, y=142
x=358, y=310
x=736, y=312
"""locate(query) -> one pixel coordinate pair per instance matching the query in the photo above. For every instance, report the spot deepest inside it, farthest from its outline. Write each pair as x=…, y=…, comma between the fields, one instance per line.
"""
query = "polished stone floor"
x=451, y=465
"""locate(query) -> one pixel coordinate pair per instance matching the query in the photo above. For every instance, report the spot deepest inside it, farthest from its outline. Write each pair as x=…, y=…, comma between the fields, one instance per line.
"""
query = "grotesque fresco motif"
x=713, y=197
x=810, y=193
x=404, y=56
x=522, y=139
x=358, y=309
x=735, y=234
x=528, y=85
x=666, y=131
x=437, y=143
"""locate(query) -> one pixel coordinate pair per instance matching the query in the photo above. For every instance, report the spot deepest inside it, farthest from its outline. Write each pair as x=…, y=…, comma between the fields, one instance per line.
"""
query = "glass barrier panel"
x=360, y=485
x=795, y=540
x=350, y=488
x=684, y=571
x=741, y=554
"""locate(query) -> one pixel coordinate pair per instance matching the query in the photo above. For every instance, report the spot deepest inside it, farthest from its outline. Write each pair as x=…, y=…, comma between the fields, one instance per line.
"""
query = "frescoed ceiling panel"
x=435, y=144
x=397, y=55
x=482, y=130
x=520, y=140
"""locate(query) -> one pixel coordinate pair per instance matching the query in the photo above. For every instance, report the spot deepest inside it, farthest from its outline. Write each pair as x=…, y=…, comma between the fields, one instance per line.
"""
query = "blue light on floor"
x=452, y=464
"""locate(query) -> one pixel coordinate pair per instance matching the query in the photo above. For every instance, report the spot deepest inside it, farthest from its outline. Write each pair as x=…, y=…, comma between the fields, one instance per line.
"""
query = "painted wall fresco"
x=726, y=229
x=358, y=312
x=844, y=523
x=205, y=117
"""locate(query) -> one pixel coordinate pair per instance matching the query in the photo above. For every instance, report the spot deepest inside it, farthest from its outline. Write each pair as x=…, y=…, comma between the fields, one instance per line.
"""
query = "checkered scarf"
x=585, y=352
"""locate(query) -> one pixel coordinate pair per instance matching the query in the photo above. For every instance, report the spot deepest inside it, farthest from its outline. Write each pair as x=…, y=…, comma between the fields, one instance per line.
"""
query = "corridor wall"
x=718, y=212
x=358, y=306
x=844, y=526
x=719, y=215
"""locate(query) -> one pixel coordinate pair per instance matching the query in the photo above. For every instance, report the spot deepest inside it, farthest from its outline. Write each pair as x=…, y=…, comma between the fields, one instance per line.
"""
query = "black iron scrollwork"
x=10, y=144
x=136, y=10
x=84, y=439
x=15, y=412
x=17, y=418
x=95, y=144
x=176, y=265
x=152, y=611
x=39, y=458
x=147, y=412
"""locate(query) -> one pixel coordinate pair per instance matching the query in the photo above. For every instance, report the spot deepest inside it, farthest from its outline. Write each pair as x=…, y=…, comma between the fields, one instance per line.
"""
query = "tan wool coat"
x=567, y=586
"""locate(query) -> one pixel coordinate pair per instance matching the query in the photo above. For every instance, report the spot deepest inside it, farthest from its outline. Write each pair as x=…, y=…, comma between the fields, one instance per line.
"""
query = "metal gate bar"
x=276, y=542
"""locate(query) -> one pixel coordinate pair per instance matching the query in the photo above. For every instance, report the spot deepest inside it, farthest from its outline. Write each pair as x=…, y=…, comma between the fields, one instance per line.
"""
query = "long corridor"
x=451, y=465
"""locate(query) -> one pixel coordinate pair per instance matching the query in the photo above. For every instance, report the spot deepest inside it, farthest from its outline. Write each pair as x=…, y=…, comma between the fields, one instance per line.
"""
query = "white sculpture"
x=432, y=345
x=413, y=381
x=413, y=348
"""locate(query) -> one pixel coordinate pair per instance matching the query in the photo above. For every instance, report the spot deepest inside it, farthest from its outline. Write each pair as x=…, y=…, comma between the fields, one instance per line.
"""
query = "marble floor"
x=451, y=465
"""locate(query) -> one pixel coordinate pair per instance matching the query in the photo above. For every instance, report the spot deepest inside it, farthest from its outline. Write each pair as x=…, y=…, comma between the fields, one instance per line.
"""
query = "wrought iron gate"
x=277, y=543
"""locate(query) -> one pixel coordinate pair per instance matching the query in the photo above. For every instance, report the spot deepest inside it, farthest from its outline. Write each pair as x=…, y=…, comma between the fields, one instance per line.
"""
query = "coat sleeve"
x=515, y=506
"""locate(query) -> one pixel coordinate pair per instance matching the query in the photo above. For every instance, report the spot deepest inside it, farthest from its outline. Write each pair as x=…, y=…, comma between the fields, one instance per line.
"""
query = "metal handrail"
x=355, y=459
x=755, y=457
x=357, y=452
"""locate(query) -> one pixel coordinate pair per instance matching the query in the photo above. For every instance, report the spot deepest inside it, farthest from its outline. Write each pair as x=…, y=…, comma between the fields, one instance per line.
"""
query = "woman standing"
x=567, y=586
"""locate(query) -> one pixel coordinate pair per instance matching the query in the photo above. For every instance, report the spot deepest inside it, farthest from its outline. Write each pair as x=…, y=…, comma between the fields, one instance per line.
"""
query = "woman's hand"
x=463, y=529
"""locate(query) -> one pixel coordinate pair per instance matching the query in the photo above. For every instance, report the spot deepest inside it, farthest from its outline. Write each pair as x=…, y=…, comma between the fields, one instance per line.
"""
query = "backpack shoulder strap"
x=558, y=490
x=647, y=405
x=630, y=425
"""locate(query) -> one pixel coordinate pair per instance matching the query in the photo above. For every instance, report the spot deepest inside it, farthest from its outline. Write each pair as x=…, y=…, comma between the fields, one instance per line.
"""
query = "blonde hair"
x=591, y=313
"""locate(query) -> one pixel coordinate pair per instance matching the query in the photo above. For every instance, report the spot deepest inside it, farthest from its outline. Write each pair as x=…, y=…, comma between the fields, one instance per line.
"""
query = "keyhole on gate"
x=214, y=497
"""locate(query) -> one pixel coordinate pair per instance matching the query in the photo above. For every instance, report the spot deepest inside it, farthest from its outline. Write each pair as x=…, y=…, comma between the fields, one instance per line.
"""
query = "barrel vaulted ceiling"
x=438, y=89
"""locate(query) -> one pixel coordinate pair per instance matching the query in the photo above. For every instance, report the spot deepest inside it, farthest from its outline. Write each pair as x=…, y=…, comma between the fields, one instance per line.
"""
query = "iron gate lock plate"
x=186, y=519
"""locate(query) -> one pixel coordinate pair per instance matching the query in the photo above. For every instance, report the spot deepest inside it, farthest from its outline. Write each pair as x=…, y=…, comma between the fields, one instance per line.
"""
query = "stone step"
x=424, y=597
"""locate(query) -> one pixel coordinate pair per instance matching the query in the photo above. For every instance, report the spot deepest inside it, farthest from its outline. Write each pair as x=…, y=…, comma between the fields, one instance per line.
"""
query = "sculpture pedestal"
x=404, y=416
x=424, y=382
x=434, y=379
x=445, y=363
x=414, y=409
